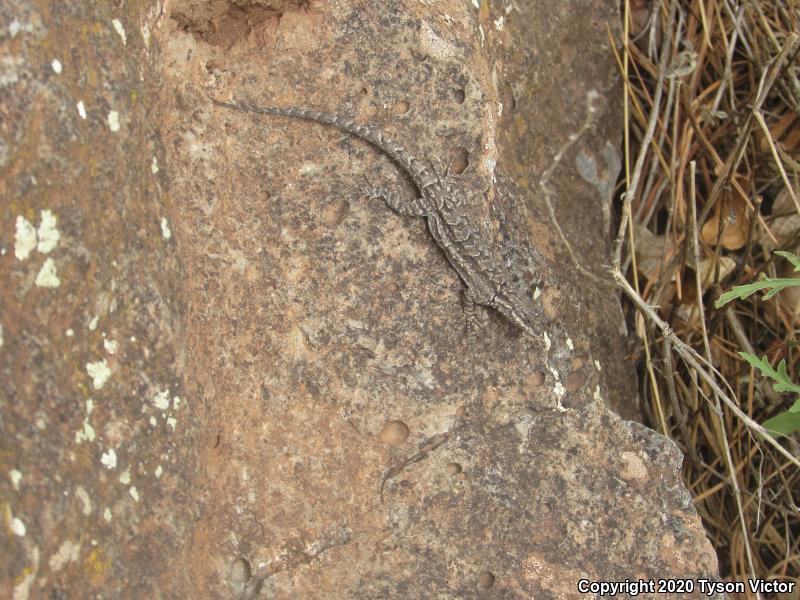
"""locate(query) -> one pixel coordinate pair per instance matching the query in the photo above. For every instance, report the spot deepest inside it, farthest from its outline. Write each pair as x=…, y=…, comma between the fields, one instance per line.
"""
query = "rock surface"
x=226, y=374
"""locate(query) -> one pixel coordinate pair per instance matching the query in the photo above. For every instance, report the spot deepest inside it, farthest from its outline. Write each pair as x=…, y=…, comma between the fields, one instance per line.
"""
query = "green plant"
x=788, y=421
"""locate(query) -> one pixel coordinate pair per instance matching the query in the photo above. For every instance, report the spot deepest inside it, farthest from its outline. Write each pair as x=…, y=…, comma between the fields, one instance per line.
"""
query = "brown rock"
x=204, y=325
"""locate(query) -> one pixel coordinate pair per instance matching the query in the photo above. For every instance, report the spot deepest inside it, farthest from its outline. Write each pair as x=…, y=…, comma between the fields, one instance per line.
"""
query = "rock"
x=226, y=373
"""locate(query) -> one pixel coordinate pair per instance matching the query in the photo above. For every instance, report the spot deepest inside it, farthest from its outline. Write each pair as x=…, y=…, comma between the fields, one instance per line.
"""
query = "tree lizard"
x=488, y=282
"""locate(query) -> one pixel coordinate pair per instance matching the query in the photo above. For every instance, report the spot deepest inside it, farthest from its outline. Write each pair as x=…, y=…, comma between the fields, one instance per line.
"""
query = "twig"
x=694, y=361
x=789, y=188
x=765, y=84
x=737, y=492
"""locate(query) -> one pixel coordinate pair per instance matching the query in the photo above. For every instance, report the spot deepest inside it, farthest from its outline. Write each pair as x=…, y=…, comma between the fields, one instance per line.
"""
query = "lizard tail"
x=419, y=173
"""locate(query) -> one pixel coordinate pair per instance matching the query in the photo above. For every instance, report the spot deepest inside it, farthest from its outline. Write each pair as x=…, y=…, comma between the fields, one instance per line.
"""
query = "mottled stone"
x=224, y=372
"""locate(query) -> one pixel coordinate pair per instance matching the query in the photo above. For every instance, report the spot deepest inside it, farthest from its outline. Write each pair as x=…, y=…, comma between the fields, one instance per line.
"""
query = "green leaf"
x=786, y=384
x=743, y=291
x=795, y=260
x=782, y=381
x=773, y=286
x=785, y=423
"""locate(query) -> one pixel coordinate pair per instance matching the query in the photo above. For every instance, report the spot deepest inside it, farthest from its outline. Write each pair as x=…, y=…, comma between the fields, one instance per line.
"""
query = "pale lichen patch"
x=47, y=233
x=99, y=372
x=109, y=459
x=93, y=323
x=158, y=472
x=14, y=28
x=161, y=400
x=81, y=109
x=24, y=238
x=113, y=120
x=125, y=477
x=120, y=30
x=47, y=276
x=110, y=346
x=107, y=514
x=17, y=527
x=15, y=476
x=165, y=230
x=67, y=552
x=56, y=66
x=154, y=165
x=86, y=434
x=134, y=493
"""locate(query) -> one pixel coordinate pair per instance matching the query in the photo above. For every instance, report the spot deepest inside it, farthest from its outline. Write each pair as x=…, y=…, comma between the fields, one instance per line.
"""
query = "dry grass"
x=712, y=181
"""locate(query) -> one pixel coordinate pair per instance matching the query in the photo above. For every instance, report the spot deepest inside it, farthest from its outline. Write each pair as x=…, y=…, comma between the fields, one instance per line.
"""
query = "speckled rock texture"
x=225, y=373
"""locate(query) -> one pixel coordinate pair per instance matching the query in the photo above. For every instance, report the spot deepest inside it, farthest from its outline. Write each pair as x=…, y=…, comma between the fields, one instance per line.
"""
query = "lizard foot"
x=476, y=318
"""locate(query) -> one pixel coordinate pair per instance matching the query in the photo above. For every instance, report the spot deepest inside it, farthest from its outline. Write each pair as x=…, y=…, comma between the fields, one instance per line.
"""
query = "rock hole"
x=536, y=378
x=485, y=580
x=459, y=95
x=394, y=433
x=238, y=576
x=454, y=468
x=460, y=161
x=401, y=107
x=335, y=212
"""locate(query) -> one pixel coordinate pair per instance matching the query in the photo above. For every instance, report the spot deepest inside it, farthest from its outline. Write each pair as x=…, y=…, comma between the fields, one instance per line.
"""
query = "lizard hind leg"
x=475, y=315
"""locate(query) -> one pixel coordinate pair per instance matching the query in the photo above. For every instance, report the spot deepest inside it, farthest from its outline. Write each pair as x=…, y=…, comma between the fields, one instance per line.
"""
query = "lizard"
x=487, y=280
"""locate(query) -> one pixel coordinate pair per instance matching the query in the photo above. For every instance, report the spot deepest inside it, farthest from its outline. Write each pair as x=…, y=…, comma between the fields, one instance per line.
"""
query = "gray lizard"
x=488, y=281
